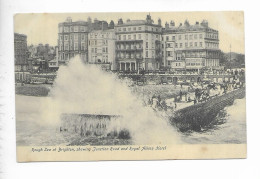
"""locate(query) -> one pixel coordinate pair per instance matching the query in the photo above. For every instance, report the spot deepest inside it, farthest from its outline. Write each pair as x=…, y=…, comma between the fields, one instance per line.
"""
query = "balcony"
x=128, y=41
x=129, y=49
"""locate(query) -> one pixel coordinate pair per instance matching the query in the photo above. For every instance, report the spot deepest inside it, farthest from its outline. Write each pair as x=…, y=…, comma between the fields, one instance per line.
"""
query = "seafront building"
x=21, y=57
x=72, y=40
x=101, y=47
x=138, y=44
x=190, y=47
x=20, y=52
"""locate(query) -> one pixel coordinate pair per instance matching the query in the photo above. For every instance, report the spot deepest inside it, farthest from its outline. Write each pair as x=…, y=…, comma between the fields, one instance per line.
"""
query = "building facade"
x=190, y=47
x=72, y=40
x=20, y=52
x=101, y=47
x=138, y=44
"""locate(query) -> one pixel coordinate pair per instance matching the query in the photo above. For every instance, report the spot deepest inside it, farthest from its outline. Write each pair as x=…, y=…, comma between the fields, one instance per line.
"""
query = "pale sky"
x=43, y=28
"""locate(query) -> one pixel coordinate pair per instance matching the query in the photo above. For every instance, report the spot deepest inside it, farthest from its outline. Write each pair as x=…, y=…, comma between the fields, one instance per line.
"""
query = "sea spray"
x=85, y=89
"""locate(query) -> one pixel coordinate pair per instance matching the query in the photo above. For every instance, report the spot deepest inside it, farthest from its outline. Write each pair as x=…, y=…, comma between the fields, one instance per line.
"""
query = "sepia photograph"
x=110, y=86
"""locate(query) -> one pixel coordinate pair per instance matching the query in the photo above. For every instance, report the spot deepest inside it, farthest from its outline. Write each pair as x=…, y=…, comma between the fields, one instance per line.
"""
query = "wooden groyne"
x=200, y=115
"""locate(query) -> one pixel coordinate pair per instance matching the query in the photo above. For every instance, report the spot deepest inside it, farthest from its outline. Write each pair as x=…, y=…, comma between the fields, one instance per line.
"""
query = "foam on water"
x=86, y=89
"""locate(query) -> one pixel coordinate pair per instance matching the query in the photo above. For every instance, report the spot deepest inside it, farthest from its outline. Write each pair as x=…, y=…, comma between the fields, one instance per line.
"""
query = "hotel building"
x=73, y=38
x=101, y=47
x=190, y=47
x=138, y=44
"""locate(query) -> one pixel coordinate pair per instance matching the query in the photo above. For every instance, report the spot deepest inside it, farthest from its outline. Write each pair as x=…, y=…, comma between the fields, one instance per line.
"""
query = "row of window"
x=95, y=42
x=75, y=47
x=95, y=50
x=212, y=35
x=211, y=45
x=186, y=37
x=134, y=37
x=129, y=29
x=100, y=35
x=72, y=36
x=180, y=45
x=191, y=44
x=73, y=29
x=129, y=55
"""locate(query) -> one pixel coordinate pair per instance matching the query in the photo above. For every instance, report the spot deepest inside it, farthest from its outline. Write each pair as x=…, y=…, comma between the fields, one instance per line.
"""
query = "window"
x=119, y=29
x=82, y=28
x=134, y=28
x=146, y=44
x=82, y=37
x=186, y=37
x=195, y=36
x=190, y=44
x=180, y=45
x=66, y=46
x=92, y=50
x=82, y=46
x=179, y=37
x=146, y=53
x=176, y=45
x=190, y=37
x=129, y=29
x=173, y=38
x=139, y=28
x=139, y=36
x=200, y=44
x=124, y=29
x=76, y=37
x=146, y=36
x=76, y=46
x=76, y=29
x=124, y=37
x=169, y=63
x=195, y=44
x=119, y=37
x=71, y=29
x=129, y=37
x=186, y=44
x=200, y=36
x=66, y=29
x=168, y=53
x=167, y=38
x=168, y=45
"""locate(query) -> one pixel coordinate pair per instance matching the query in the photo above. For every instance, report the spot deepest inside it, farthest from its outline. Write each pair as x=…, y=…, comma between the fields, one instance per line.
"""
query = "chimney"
x=180, y=24
x=172, y=23
x=159, y=22
x=120, y=21
x=186, y=23
x=197, y=23
x=89, y=20
x=128, y=20
x=68, y=19
x=166, y=25
x=204, y=23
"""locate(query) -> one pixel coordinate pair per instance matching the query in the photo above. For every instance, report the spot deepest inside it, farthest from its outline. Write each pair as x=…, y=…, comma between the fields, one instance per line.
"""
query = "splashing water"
x=86, y=89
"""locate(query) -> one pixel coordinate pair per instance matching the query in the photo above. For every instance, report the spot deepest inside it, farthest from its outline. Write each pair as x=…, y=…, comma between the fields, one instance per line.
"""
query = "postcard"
x=130, y=86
